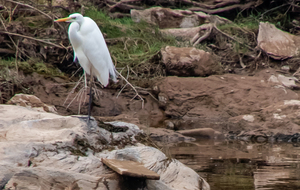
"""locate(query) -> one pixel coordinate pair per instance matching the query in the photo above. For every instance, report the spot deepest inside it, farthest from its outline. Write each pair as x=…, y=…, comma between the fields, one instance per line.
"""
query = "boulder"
x=188, y=62
x=31, y=101
x=167, y=18
x=192, y=34
x=277, y=43
x=40, y=150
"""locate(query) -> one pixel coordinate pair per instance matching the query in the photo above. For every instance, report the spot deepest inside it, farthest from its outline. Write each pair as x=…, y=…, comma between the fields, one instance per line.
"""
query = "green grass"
x=281, y=19
x=137, y=43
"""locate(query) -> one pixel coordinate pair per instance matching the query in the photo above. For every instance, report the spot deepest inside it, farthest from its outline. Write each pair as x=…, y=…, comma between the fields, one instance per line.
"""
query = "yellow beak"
x=62, y=19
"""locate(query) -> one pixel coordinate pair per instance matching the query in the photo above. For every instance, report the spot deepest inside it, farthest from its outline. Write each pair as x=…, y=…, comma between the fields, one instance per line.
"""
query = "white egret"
x=90, y=49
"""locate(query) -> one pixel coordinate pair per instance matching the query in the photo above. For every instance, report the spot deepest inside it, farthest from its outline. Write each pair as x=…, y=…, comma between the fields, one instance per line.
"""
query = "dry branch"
x=8, y=51
x=122, y=5
x=29, y=6
x=2, y=22
x=122, y=2
x=136, y=92
x=232, y=38
x=31, y=38
x=224, y=9
x=205, y=6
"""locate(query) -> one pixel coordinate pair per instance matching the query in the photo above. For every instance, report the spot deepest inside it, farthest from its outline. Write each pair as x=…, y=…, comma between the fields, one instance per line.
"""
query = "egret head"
x=75, y=17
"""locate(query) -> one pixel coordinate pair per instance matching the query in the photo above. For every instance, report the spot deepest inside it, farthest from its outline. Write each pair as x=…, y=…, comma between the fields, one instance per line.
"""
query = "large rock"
x=229, y=103
x=277, y=43
x=31, y=101
x=193, y=33
x=41, y=150
x=182, y=34
x=188, y=62
x=167, y=18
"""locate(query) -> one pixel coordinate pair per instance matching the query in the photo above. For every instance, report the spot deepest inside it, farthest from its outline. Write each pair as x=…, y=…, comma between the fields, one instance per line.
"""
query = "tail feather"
x=113, y=74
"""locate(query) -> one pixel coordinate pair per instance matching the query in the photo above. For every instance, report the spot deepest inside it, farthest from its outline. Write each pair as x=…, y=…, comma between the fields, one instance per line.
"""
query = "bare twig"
x=29, y=6
x=124, y=6
x=121, y=2
x=223, y=9
x=1, y=19
x=221, y=4
x=241, y=61
x=16, y=61
x=12, y=13
x=3, y=50
x=136, y=92
x=26, y=5
x=273, y=9
x=232, y=38
x=149, y=93
x=39, y=40
x=73, y=90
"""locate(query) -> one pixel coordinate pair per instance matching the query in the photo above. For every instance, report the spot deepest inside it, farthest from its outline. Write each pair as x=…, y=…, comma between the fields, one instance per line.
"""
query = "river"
x=240, y=165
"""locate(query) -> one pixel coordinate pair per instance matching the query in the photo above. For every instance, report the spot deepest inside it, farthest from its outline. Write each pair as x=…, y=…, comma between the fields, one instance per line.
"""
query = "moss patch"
x=30, y=66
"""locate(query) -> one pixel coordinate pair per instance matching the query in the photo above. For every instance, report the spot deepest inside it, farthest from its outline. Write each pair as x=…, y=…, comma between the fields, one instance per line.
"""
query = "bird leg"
x=91, y=96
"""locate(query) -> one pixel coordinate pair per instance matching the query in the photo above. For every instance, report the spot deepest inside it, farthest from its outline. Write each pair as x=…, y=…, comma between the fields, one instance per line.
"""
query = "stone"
x=276, y=43
x=188, y=62
x=31, y=101
x=249, y=118
x=167, y=18
x=41, y=150
x=288, y=81
x=130, y=168
x=284, y=81
x=173, y=174
x=182, y=34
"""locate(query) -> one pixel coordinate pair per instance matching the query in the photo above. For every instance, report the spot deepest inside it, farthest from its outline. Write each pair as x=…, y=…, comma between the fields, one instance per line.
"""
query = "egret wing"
x=77, y=40
x=95, y=49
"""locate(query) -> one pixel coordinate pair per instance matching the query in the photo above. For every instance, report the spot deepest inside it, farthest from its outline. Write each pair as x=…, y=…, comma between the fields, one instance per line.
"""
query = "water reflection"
x=239, y=165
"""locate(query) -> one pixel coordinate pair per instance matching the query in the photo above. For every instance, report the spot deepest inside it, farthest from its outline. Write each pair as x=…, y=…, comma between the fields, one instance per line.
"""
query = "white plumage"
x=90, y=48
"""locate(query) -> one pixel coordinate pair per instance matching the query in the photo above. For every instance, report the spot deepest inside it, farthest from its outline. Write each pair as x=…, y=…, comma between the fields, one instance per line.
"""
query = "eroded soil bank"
x=236, y=105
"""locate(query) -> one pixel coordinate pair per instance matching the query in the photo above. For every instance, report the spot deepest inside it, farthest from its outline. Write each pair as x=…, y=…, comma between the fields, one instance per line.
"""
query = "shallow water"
x=239, y=165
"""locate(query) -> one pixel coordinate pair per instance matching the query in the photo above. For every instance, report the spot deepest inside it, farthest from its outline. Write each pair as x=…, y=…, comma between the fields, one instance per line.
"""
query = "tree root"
x=197, y=38
x=225, y=9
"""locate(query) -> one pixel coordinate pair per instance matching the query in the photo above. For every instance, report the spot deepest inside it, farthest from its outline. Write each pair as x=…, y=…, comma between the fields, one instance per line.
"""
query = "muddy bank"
x=237, y=106
x=263, y=104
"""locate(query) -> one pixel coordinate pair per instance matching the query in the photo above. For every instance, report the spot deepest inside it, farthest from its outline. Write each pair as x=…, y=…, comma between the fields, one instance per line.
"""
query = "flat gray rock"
x=130, y=168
